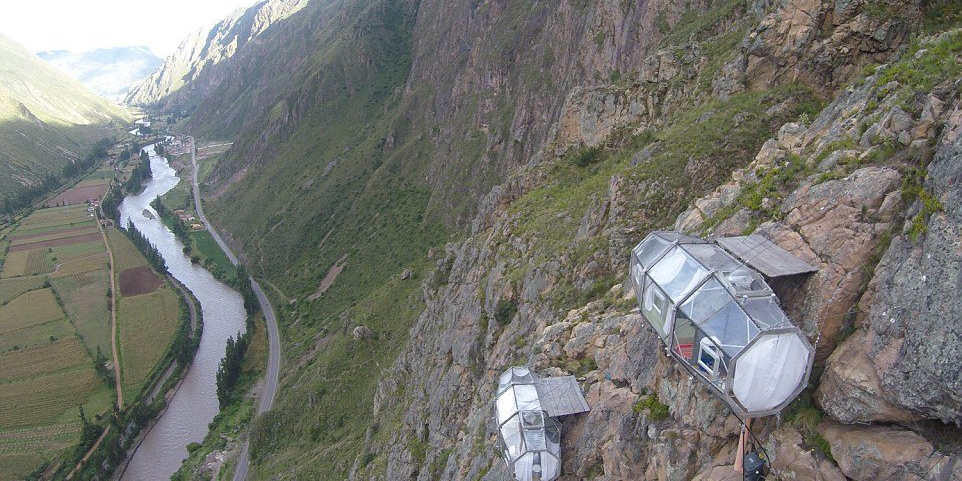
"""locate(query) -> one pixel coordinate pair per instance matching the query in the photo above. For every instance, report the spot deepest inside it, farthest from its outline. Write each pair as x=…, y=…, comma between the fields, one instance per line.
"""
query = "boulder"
x=791, y=460
x=362, y=332
x=850, y=390
x=835, y=226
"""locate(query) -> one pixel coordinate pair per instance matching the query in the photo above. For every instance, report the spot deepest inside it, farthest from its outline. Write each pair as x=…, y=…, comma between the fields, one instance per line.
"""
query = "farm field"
x=11, y=288
x=54, y=315
x=49, y=237
x=87, y=190
x=126, y=256
x=146, y=330
x=84, y=297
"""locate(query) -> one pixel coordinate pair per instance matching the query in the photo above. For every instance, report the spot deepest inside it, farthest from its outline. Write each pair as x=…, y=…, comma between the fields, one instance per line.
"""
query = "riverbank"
x=194, y=405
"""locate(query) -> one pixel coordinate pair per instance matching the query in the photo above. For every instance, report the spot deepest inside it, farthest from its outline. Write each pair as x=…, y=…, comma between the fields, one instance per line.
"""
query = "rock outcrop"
x=911, y=328
x=825, y=43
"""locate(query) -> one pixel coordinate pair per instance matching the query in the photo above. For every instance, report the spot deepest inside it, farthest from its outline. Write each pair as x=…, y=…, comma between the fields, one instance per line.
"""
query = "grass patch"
x=505, y=311
x=924, y=65
x=656, y=410
x=913, y=189
x=805, y=416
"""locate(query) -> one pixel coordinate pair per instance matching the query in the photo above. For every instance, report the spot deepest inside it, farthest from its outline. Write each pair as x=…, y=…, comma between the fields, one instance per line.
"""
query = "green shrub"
x=505, y=311
x=586, y=156
x=656, y=410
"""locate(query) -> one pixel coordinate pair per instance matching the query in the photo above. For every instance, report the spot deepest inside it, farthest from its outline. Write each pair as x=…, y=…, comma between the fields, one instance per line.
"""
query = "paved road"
x=266, y=400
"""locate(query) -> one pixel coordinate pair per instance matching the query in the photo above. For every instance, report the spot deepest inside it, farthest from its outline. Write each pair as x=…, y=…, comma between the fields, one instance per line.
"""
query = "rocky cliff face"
x=554, y=137
x=841, y=191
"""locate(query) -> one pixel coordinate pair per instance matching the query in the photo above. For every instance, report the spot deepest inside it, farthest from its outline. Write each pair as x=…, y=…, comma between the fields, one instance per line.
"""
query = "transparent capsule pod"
x=721, y=320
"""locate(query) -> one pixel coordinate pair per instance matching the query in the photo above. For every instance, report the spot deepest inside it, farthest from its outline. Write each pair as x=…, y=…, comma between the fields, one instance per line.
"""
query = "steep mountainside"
x=47, y=119
x=108, y=71
x=445, y=189
x=200, y=61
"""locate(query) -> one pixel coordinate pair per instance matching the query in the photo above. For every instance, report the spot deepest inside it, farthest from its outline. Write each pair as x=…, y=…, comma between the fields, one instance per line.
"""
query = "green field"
x=126, y=256
x=85, y=299
x=45, y=358
x=78, y=250
x=36, y=335
x=39, y=262
x=209, y=249
x=103, y=173
x=87, y=263
x=11, y=288
x=30, y=309
x=37, y=400
x=53, y=218
x=147, y=325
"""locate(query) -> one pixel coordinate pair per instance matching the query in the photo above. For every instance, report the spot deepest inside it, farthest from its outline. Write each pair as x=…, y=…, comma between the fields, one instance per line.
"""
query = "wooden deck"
x=765, y=256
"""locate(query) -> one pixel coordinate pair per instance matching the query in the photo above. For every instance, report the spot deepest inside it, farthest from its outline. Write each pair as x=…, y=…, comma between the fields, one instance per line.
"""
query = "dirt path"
x=91, y=451
x=113, y=320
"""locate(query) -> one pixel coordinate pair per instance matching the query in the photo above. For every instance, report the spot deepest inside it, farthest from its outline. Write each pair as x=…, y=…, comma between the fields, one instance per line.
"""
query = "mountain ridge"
x=46, y=118
x=478, y=173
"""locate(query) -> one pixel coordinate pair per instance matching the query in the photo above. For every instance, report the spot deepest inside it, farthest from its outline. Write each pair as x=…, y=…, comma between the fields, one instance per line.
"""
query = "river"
x=195, y=404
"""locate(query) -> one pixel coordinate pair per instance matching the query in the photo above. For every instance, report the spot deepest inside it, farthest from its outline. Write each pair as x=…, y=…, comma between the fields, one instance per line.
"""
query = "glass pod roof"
x=529, y=440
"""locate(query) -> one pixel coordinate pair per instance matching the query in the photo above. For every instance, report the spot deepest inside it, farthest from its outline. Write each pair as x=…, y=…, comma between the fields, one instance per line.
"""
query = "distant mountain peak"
x=108, y=71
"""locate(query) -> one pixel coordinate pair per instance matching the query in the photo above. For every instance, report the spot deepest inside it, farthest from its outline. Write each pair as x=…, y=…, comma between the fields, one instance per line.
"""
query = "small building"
x=529, y=435
x=719, y=319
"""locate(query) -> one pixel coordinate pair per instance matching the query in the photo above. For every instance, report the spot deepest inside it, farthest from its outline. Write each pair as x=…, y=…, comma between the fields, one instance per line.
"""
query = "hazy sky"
x=80, y=25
